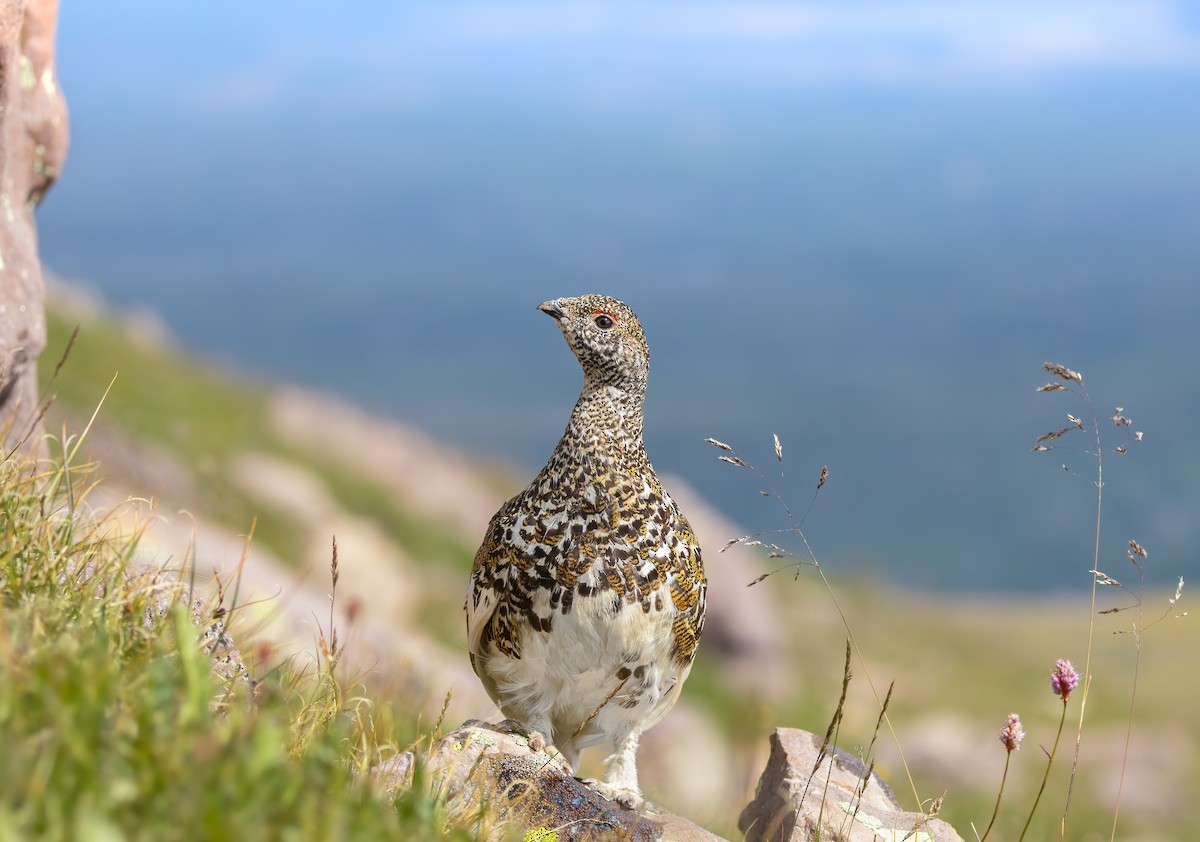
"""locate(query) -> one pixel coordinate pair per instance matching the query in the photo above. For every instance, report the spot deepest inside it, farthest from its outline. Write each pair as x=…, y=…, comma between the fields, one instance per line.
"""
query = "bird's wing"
x=528, y=546
x=490, y=568
x=689, y=590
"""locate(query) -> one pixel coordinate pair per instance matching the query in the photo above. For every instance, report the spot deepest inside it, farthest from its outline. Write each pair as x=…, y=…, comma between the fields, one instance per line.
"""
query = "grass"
x=160, y=395
x=205, y=418
x=197, y=415
x=963, y=657
x=116, y=726
x=955, y=660
x=424, y=540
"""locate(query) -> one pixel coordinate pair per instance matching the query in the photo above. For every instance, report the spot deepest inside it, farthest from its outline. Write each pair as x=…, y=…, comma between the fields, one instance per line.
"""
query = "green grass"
x=424, y=540
x=198, y=415
x=159, y=394
x=115, y=726
x=205, y=417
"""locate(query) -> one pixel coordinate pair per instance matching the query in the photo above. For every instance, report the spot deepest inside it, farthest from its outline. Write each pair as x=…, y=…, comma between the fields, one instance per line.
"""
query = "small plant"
x=114, y=722
x=1011, y=734
x=1072, y=381
x=1066, y=680
x=1063, y=680
x=775, y=551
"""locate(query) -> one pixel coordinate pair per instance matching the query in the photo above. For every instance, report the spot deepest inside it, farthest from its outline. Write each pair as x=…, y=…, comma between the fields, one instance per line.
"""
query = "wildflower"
x=354, y=608
x=1012, y=733
x=263, y=653
x=1064, y=679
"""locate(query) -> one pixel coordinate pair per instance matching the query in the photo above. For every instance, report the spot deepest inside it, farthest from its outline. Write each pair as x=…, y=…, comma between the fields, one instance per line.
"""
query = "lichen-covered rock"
x=799, y=799
x=165, y=590
x=33, y=145
x=530, y=792
x=159, y=590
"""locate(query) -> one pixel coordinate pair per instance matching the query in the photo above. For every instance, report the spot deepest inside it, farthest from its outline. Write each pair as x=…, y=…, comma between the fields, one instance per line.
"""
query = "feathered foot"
x=620, y=782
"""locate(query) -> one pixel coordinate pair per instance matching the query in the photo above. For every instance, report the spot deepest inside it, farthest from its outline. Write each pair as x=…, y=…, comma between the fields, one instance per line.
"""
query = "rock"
x=33, y=145
x=284, y=485
x=287, y=607
x=794, y=803
x=162, y=590
x=431, y=477
x=944, y=745
x=166, y=590
x=1155, y=773
x=526, y=790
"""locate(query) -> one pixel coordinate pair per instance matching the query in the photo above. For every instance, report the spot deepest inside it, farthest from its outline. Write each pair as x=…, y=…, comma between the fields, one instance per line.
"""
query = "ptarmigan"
x=587, y=596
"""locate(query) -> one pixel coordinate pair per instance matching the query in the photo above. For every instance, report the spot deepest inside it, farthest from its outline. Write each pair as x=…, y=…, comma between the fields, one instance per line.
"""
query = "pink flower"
x=1064, y=679
x=1012, y=733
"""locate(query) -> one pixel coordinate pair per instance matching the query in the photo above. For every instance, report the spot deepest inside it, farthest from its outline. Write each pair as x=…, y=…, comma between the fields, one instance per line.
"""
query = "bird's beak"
x=551, y=309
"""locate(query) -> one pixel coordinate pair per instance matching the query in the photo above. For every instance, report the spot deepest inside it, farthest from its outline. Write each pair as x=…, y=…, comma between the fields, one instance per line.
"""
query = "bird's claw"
x=630, y=799
x=536, y=739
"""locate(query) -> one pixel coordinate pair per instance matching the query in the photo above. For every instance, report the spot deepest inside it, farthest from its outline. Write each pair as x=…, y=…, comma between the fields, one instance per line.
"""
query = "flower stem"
x=999, y=795
x=1046, y=776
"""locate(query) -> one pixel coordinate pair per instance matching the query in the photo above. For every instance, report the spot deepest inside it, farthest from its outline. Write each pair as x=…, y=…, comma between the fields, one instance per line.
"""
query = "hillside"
x=214, y=457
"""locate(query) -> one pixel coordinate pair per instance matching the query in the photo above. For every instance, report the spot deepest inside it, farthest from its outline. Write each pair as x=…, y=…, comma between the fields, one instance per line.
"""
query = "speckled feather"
x=587, y=596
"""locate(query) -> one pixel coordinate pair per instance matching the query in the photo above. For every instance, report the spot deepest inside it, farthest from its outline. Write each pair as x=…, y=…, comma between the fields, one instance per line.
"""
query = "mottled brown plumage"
x=587, y=597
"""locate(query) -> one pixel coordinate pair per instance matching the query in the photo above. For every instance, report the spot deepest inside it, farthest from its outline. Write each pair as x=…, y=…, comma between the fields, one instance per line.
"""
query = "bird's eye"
x=604, y=321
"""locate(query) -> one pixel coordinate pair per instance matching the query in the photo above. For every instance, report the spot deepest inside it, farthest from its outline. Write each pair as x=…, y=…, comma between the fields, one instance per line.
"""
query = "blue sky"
x=231, y=56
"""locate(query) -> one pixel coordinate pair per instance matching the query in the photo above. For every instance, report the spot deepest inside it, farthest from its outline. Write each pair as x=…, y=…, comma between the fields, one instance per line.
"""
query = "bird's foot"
x=536, y=739
x=628, y=797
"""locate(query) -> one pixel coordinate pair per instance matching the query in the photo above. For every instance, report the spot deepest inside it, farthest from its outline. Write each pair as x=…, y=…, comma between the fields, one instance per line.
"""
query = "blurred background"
x=860, y=226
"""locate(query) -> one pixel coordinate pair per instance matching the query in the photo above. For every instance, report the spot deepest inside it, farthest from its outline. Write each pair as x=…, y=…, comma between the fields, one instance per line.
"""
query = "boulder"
x=33, y=144
x=533, y=792
x=838, y=798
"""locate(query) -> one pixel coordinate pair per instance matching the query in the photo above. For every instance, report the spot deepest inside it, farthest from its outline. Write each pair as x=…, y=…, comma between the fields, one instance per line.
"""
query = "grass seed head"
x=1063, y=372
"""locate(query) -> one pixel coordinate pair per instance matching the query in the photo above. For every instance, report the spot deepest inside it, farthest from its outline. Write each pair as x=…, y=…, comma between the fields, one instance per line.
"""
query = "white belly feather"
x=596, y=675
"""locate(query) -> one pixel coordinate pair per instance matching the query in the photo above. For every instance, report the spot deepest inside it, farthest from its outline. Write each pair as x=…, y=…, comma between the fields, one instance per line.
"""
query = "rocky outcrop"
x=33, y=145
x=285, y=605
x=803, y=795
x=492, y=782
x=480, y=766
x=431, y=478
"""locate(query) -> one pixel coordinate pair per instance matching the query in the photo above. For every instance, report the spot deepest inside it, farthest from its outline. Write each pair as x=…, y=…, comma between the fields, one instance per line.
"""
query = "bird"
x=587, y=595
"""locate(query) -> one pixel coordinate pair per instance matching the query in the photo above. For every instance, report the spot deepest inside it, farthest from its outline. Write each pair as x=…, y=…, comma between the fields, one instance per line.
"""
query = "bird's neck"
x=607, y=422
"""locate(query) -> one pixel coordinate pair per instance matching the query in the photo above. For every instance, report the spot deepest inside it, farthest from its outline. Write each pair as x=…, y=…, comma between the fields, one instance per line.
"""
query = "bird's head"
x=607, y=339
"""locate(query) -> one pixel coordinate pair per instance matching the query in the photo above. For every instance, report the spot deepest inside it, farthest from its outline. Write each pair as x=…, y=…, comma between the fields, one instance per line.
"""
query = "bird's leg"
x=620, y=782
x=569, y=752
x=537, y=731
